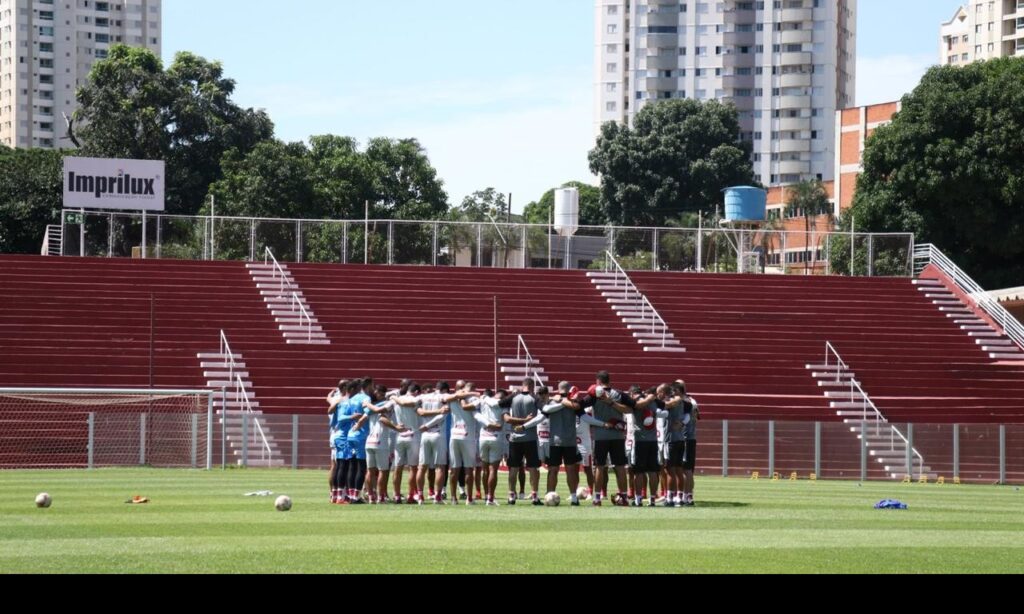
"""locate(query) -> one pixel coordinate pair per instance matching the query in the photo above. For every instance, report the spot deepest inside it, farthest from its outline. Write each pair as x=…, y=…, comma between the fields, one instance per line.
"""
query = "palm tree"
x=810, y=199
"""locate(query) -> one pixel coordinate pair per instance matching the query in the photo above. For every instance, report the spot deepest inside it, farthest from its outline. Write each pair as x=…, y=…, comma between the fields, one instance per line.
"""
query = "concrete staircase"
x=991, y=341
x=238, y=412
x=636, y=312
x=886, y=444
x=284, y=299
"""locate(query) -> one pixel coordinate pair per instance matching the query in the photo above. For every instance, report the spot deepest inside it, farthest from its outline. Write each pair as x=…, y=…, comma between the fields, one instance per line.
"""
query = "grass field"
x=200, y=523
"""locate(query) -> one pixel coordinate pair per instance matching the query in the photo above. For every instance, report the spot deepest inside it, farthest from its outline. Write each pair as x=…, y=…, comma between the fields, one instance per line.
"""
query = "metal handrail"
x=522, y=349
x=248, y=408
x=225, y=350
x=296, y=301
x=866, y=402
x=929, y=254
x=268, y=257
x=645, y=303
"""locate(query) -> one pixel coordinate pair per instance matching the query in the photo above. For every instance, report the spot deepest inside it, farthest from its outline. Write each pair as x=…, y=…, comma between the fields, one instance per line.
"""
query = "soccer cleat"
x=522, y=496
x=398, y=500
x=574, y=503
x=537, y=502
x=470, y=502
x=511, y=499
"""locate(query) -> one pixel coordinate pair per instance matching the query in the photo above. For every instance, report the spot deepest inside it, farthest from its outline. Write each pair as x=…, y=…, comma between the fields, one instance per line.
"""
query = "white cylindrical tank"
x=567, y=211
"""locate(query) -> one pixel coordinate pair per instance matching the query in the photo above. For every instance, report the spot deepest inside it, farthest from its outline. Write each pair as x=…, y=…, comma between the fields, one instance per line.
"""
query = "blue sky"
x=499, y=93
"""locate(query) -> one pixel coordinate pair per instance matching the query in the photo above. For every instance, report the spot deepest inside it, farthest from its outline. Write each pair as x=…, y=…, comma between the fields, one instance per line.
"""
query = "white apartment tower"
x=47, y=48
x=787, y=65
x=982, y=30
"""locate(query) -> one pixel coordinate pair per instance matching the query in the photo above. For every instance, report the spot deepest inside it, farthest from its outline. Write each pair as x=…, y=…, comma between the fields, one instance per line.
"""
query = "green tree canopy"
x=30, y=197
x=591, y=211
x=949, y=169
x=479, y=205
x=678, y=157
x=184, y=115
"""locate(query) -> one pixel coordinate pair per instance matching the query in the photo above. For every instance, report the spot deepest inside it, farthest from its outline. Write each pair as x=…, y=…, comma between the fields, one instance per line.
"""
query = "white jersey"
x=464, y=424
x=432, y=402
x=379, y=436
x=629, y=431
x=583, y=441
x=490, y=413
x=407, y=417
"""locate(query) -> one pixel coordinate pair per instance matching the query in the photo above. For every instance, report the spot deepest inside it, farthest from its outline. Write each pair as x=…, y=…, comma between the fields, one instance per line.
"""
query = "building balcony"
x=794, y=123
x=738, y=60
x=787, y=15
x=792, y=167
x=742, y=103
x=663, y=61
x=795, y=79
x=794, y=145
x=794, y=102
x=658, y=41
x=739, y=38
x=793, y=37
x=660, y=18
x=732, y=82
x=798, y=58
x=660, y=84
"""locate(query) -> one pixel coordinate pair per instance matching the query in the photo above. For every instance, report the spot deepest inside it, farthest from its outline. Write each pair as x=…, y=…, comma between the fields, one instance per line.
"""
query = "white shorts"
x=407, y=452
x=464, y=453
x=433, y=451
x=544, y=450
x=491, y=451
x=379, y=458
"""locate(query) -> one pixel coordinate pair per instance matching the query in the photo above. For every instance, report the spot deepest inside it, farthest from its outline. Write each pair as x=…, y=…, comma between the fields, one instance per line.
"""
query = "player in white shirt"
x=464, y=448
x=585, y=446
x=407, y=445
x=433, y=449
x=379, y=451
x=491, y=418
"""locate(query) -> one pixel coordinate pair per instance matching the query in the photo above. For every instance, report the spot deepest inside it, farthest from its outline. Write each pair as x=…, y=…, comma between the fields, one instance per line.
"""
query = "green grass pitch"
x=200, y=522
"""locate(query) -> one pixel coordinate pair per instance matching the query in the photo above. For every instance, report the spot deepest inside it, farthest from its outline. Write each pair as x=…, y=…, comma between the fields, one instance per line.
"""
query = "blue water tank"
x=745, y=204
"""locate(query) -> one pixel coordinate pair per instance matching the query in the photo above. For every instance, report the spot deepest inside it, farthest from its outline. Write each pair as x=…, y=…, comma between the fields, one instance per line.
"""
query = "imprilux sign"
x=108, y=183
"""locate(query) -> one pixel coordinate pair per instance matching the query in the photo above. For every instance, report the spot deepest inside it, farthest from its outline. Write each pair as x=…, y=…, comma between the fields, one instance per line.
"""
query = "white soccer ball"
x=648, y=422
x=552, y=499
x=582, y=493
x=43, y=500
x=283, y=503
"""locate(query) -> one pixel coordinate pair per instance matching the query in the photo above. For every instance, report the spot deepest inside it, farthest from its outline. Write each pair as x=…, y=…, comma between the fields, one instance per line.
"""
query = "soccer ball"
x=583, y=493
x=648, y=420
x=43, y=500
x=283, y=503
x=552, y=499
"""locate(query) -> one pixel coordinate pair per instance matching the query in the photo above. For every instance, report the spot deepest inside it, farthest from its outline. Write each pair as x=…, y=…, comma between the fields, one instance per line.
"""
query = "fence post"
x=1002, y=454
x=526, y=257
x=195, y=440
x=910, y=450
x=436, y=247
x=110, y=235
x=817, y=449
x=479, y=245
x=725, y=448
x=209, y=431
x=863, y=451
x=159, y=235
x=92, y=438
x=252, y=240
x=956, y=450
x=223, y=428
x=871, y=255
x=654, y=252
x=828, y=254
x=245, y=439
x=771, y=447
x=142, y=440
x=298, y=241
x=391, y=242
x=344, y=242
x=295, y=441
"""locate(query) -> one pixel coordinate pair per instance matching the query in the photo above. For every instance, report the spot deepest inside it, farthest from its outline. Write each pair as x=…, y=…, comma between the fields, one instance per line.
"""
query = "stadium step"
x=287, y=303
x=635, y=312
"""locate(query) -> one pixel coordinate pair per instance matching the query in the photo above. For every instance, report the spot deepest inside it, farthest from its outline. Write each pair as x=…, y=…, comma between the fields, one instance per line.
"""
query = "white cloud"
x=888, y=78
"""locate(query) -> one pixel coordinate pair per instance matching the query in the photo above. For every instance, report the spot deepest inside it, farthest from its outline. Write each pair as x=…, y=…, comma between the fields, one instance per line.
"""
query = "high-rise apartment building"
x=48, y=47
x=982, y=30
x=787, y=65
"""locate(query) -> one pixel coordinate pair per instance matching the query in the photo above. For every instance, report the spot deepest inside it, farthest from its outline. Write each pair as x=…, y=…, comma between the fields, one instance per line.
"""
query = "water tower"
x=745, y=211
x=566, y=219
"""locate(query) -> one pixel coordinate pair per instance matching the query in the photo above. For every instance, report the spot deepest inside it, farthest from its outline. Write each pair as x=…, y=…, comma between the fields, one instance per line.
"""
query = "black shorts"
x=559, y=455
x=690, y=458
x=518, y=451
x=645, y=457
x=676, y=454
x=616, y=448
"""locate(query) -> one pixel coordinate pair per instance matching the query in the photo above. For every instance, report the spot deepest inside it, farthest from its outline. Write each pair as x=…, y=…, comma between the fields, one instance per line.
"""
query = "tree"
x=948, y=169
x=591, y=211
x=30, y=197
x=809, y=200
x=132, y=108
x=678, y=157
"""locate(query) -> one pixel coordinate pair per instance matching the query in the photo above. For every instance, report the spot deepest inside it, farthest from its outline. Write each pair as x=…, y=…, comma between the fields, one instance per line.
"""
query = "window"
x=612, y=67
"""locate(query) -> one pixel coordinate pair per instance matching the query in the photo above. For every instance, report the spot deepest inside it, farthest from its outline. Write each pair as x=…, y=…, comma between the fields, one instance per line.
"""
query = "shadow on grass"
x=720, y=504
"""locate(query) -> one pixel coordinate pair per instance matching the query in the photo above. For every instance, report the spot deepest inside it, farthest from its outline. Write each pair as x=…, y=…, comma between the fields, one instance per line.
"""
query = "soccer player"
x=407, y=446
x=491, y=418
x=358, y=405
x=378, y=445
x=338, y=398
x=585, y=447
x=523, y=446
x=691, y=414
x=609, y=405
x=464, y=447
x=433, y=451
x=645, y=461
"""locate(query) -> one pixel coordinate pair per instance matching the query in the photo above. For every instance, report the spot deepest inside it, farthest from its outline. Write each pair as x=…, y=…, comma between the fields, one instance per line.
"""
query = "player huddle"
x=456, y=440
